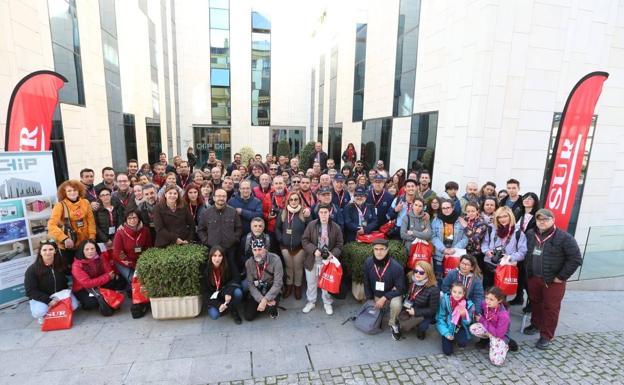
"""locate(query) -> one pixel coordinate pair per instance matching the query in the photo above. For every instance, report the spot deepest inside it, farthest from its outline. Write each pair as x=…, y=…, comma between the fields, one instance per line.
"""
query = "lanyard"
x=340, y=196
x=135, y=240
x=464, y=280
x=378, y=200
x=362, y=214
x=193, y=212
x=307, y=203
x=290, y=219
x=489, y=315
x=217, y=279
x=380, y=276
x=540, y=242
x=260, y=271
x=92, y=193
x=110, y=217
x=414, y=293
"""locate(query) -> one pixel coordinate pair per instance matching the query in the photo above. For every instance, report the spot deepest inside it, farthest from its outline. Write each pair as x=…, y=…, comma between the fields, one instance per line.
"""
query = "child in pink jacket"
x=493, y=323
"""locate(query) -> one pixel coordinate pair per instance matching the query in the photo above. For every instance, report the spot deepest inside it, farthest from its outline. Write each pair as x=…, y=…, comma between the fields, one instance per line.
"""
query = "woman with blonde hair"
x=72, y=219
x=504, y=242
x=422, y=298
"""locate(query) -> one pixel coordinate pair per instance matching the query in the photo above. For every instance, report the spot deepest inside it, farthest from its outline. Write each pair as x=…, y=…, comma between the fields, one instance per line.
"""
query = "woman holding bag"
x=468, y=275
x=415, y=225
x=422, y=299
x=222, y=289
x=130, y=241
x=45, y=277
x=90, y=272
x=448, y=235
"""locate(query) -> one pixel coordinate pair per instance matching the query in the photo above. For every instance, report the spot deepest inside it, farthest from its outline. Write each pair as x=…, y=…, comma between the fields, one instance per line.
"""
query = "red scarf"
x=454, y=303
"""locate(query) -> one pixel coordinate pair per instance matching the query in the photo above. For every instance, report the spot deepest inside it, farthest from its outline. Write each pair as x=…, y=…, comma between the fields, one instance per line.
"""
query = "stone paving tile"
x=592, y=358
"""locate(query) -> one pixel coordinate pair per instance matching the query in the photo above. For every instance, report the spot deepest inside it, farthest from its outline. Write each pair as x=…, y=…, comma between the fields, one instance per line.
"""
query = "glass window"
x=225, y=4
x=220, y=77
x=260, y=79
x=220, y=58
x=57, y=146
x=293, y=135
x=585, y=163
x=130, y=136
x=219, y=38
x=260, y=22
x=107, y=16
x=406, y=54
x=423, y=134
x=68, y=64
x=312, y=95
x=334, y=148
x=219, y=18
x=215, y=139
x=359, y=72
x=404, y=100
x=154, y=144
x=376, y=135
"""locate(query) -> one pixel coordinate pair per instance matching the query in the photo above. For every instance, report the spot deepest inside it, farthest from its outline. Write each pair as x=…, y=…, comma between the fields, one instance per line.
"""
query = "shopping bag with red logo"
x=450, y=262
x=419, y=251
x=506, y=278
x=139, y=294
x=59, y=316
x=330, y=276
x=113, y=298
x=387, y=227
x=369, y=238
x=107, y=256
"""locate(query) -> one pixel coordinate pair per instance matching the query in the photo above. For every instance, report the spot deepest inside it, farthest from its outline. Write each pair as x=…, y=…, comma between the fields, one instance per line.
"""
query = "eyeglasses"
x=293, y=200
x=48, y=242
x=295, y=182
x=446, y=208
x=134, y=217
x=273, y=169
x=104, y=195
x=419, y=272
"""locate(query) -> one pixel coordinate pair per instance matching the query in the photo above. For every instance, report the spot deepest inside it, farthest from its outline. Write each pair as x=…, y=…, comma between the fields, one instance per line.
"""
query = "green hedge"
x=355, y=253
x=304, y=156
x=172, y=272
x=283, y=148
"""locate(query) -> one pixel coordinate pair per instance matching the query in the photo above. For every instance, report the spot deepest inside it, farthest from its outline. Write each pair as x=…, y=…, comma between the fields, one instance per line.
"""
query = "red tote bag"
x=330, y=277
x=506, y=278
x=419, y=251
x=387, y=227
x=139, y=294
x=450, y=262
x=59, y=316
x=113, y=298
x=369, y=238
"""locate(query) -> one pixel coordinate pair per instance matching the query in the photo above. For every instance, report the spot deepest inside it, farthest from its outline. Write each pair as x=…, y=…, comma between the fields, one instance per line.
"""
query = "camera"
x=262, y=287
x=324, y=252
x=408, y=304
x=274, y=211
x=497, y=254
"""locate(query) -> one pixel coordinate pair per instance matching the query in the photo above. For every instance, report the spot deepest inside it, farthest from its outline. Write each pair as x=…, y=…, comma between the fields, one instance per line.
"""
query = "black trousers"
x=89, y=302
x=251, y=309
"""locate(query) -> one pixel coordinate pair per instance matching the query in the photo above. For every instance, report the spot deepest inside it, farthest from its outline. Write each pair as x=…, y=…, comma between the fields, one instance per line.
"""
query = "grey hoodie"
x=420, y=228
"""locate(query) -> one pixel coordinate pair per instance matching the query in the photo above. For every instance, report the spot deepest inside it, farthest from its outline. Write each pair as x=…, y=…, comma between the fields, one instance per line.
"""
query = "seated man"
x=384, y=282
x=265, y=280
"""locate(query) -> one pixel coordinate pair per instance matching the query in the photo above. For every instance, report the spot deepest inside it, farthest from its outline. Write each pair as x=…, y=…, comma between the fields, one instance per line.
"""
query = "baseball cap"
x=544, y=213
x=379, y=177
x=324, y=190
x=339, y=178
x=360, y=191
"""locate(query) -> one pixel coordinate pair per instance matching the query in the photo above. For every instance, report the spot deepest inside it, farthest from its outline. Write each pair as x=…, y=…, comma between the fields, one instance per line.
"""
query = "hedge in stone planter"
x=354, y=255
x=174, y=274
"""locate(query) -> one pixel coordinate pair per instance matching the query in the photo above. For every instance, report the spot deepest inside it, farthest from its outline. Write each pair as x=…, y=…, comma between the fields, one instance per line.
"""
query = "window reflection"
x=260, y=70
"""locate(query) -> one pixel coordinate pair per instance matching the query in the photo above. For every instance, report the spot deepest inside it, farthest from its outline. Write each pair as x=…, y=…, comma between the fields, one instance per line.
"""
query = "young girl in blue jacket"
x=454, y=318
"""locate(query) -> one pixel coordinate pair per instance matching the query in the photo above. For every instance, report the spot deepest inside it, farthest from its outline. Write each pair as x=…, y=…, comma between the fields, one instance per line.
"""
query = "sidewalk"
x=118, y=349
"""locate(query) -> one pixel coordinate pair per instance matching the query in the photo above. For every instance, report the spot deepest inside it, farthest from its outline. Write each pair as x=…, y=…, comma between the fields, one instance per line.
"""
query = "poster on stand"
x=27, y=195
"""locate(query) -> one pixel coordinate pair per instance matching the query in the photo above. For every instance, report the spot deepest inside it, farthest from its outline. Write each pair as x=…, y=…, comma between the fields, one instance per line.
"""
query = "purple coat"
x=499, y=324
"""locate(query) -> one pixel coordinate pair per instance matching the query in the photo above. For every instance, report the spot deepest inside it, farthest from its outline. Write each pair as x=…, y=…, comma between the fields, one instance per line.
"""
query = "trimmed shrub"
x=283, y=148
x=246, y=154
x=354, y=254
x=172, y=272
x=304, y=156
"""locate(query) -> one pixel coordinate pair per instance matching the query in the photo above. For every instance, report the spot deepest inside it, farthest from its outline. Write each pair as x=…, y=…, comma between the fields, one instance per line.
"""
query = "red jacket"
x=260, y=194
x=267, y=204
x=127, y=241
x=89, y=273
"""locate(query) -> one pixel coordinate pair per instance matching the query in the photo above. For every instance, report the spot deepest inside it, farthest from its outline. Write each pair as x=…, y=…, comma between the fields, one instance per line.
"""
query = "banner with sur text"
x=27, y=195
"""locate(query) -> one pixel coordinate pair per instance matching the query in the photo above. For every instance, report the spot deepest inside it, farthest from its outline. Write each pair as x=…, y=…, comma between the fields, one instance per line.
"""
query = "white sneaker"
x=308, y=307
x=40, y=320
x=329, y=309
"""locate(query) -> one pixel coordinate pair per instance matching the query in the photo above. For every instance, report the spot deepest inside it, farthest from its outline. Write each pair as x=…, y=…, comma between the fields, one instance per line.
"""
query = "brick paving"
x=590, y=358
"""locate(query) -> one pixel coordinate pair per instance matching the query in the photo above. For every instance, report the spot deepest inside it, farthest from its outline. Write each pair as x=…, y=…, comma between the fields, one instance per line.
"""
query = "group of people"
x=270, y=224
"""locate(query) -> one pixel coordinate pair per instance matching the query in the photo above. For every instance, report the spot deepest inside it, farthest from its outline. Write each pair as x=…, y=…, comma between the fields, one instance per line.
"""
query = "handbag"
x=506, y=278
x=419, y=251
x=67, y=229
x=387, y=227
x=139, y=294
x=330, y=276
x=369, y=238
x=368, y=319
x=59, y=316
x=113, y=298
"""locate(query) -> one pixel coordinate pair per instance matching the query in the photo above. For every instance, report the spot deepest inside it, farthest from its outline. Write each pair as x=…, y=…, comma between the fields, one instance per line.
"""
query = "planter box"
x=357, y=289
x=176, y=307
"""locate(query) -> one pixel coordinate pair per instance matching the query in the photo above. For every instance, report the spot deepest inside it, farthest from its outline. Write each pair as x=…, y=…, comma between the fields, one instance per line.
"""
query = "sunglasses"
x=419, y=272
x=48, y=242
x=293, y=200
x=295, y=181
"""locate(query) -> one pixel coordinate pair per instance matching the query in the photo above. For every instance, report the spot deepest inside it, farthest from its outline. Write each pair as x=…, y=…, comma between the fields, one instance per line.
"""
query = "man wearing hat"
x=340, y=196
x=359, y=216
x=324, y=196
x=384, y=283
x=552, y=257
x=265, y=278
x=380, y=199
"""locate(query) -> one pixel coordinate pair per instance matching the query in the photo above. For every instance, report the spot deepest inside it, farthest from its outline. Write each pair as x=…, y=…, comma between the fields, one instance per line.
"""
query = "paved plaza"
x=301, y=349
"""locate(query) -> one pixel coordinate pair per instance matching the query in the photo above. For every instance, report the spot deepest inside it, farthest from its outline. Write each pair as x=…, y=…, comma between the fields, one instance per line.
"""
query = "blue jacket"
x=336, y=214
x=250, y=208
x=515, y=246
x=474, y=291
x=444, y=317
x=352, y=220
x=382, y=207
x=341, y=203
x=393, y=278
x=459, y=239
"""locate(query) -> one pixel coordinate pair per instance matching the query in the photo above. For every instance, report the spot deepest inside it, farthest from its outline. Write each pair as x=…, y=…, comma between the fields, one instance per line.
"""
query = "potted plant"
x=172, y=278
x=355, y=254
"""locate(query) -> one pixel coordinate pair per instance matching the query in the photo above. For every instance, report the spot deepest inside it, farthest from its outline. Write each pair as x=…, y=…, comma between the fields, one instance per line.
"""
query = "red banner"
x=29, y=119
x=570, y=146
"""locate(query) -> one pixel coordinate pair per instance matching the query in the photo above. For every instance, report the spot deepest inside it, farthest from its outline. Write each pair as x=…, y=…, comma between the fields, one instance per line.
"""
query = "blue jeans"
x=125, y=272
x=461, y=337
x=424, y=324
x=39, y=309
x=237, y=296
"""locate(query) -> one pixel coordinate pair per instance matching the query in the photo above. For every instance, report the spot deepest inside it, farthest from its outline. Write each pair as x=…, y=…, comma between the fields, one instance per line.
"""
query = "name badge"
x=111, y=230
x=288, y=231
x=364, y=223
x=214, y=295
x=537, y=252
x=375, y=210
x=152, y=224
x=137, y=249
x=80, y=223
x=256, y=283
x=380, y=286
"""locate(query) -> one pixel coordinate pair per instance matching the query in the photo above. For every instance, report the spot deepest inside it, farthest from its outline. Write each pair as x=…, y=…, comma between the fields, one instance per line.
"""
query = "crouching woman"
x=222, y=289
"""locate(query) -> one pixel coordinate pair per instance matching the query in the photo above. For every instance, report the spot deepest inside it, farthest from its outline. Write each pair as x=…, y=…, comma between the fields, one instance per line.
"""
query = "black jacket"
x=41, y=288
x=393, y=278
x=426, y=302
x=229, y=282
x=102, y=221
x=290, y=241
x=171, y=225
x=219, y=227
x=560, y=256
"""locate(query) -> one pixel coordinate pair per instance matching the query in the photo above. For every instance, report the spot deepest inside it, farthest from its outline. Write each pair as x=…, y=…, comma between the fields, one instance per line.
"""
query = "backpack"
x=368, y=319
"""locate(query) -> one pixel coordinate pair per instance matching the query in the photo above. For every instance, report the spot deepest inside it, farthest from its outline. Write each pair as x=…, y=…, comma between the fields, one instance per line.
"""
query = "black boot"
x=235, y=315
